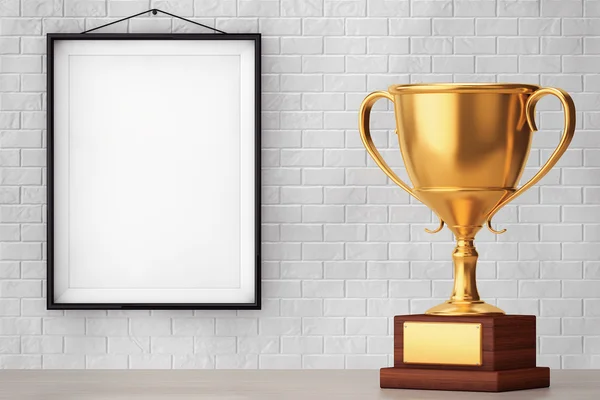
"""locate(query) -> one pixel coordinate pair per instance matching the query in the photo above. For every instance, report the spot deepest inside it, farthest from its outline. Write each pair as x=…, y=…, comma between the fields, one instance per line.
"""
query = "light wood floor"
x=253, y=384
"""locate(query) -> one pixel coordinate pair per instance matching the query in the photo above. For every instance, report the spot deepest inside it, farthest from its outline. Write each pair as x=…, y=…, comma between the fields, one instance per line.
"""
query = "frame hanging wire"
x=154, y=11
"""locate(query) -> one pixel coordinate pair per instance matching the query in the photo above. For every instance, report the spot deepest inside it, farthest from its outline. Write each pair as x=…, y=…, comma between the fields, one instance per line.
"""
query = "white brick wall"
x=343, y=248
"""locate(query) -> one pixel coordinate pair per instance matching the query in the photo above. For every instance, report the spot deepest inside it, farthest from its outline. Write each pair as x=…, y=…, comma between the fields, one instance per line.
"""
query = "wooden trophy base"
x=470, y=381
x=487, y=353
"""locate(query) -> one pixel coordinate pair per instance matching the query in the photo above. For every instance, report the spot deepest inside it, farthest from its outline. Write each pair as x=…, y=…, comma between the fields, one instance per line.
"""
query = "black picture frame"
x=52, y=39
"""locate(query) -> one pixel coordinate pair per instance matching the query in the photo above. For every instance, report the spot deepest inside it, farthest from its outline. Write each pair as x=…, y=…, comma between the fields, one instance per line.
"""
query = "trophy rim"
x=413, y=88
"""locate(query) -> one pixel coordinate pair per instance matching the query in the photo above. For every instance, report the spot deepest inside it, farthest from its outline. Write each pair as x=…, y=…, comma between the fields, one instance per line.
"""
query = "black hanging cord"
x=154, y=11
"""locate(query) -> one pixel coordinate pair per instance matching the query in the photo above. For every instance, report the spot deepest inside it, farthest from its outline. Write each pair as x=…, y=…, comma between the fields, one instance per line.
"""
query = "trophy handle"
x=567, y=136
x=364, y=117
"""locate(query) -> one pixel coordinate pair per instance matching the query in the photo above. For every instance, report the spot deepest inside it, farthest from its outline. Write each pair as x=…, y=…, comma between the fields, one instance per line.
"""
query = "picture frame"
x=153, y=171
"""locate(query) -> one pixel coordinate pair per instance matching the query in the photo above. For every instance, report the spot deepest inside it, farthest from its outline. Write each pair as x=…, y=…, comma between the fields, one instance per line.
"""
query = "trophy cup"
x=465, y=147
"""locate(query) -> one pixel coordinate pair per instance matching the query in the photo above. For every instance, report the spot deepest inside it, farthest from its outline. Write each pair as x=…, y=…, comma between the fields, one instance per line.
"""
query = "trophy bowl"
x=465, y=147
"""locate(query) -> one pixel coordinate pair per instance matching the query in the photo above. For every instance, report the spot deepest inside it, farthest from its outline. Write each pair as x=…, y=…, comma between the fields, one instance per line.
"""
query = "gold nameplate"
x=442, y=343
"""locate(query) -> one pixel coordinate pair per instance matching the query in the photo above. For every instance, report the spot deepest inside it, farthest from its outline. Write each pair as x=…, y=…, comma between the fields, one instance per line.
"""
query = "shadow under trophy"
x=465, y=147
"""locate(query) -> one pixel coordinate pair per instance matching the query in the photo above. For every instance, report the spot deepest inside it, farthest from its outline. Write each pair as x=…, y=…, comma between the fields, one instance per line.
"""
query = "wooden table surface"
x=256, y=384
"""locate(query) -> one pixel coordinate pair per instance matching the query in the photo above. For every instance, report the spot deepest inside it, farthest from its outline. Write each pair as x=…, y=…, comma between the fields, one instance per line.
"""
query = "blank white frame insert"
x=153, y=173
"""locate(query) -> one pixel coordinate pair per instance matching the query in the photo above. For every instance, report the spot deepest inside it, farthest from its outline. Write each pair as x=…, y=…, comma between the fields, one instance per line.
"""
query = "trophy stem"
x=465, y=298
x=465, y=262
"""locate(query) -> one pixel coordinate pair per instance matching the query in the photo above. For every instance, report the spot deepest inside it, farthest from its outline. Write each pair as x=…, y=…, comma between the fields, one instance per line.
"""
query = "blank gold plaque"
x=442, y=343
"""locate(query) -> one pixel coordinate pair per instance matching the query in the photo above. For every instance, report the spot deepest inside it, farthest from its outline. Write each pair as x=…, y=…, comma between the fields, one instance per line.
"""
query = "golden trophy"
x=465, y=147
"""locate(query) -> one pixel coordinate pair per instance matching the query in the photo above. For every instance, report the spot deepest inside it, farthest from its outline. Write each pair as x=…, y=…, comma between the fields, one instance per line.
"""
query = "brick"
x=323, y=101
x=518, y=270
x=66, y=25
x=301, y=45
x=345, y=270
x=20, y=251
x=85, y=345
x=410, y=26
x=20, y=26
x=301, y=270
x=323, y=288
x=562, y=307
x=542, y=214
x=323, y=326
x=239, y=326
x=366, y=326
x=409, y=251
x=252, y=345
x=9, y=269
x=17, y=288
x=387, y=307
x=330, y=213
x=519, y=306
x=286, y=251
x=17, y=361
x=496, y=26
x=280, y=326
x=387, y=45
x=41, y=344
x=326, y=64
x=345, y=345
x=365, y=176
x=85, y=8
x=432, y=8
x=345, y=83
x=344, y=232
x=561, y=195
x=410, y=289
x=581, y=251
x=562, y=233
x=171, y=345
x=539, y=289
x=323, y=26
x=63, y=361
x=539, y=26
x=21, y=101
x=464, y=64
x=366, y=27
x=322, y=251
x=345, y=45
x=562, y=45
x=454, y=26
x=539, y=64
x=106, y=326
x=150, y=326
x=561, y=345
x=477, y=45
x=494, y=64
x=511, y=8
x=128, y=345
x=366, y=289
x=258, y=8
x=301, y=307
x=345, y=195
x=20, y=64
x=539, y=251
x=64, y=326
x=581, y=326
x=410, y=64
x=470, y=8
x=561, y=269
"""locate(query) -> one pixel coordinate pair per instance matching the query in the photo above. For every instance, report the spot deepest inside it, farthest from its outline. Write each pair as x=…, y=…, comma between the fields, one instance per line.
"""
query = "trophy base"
x=488, y=352
x=470, y=381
